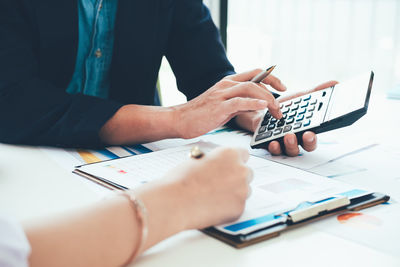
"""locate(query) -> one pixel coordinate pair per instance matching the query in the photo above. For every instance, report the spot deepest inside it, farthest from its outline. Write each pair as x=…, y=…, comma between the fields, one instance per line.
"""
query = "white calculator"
x=320, y=111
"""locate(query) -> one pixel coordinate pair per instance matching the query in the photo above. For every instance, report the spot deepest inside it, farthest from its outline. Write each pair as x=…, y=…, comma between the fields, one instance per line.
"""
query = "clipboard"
x=326, y=210
x=289, y=197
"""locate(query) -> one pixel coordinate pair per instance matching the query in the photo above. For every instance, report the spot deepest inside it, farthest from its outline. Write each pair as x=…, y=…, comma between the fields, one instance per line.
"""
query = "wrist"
x=139, y=124
x=169, y=120
x=176, y=119
x=163, y=202
x=178, y=201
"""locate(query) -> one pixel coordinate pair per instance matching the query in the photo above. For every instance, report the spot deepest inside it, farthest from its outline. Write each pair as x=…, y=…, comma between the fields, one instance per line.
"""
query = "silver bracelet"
x=141, y=214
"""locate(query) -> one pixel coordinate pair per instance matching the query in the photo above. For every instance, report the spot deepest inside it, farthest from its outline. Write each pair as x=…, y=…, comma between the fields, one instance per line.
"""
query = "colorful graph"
x=92, y=156
x=359, y=220
x=87, y=156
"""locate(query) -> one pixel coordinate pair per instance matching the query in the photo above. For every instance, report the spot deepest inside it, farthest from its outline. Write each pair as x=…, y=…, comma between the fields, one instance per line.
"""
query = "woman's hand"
x=214, y=188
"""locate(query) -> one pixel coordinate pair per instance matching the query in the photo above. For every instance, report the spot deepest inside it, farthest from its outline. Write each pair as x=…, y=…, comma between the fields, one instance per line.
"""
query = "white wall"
x=316, y=40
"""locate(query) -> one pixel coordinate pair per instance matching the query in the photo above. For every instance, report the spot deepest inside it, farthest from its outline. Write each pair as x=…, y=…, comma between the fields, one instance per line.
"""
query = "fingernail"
x=310, y=139
x=291, y=141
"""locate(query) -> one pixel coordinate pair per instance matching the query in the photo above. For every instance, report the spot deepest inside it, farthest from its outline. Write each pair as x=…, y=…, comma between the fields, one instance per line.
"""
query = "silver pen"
x=262, y=75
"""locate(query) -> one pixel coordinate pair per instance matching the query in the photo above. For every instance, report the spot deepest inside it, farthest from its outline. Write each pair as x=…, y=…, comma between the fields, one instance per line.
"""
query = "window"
x=169, y=92
x=312, y=41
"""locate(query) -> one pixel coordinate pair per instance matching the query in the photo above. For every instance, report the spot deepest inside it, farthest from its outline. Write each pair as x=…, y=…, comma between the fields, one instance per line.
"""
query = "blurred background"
x=311, y=41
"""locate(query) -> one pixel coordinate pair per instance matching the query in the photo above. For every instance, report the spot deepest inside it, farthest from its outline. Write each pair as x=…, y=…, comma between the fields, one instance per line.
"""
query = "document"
x=276, y=188
x=376, y=227
x=328, y=148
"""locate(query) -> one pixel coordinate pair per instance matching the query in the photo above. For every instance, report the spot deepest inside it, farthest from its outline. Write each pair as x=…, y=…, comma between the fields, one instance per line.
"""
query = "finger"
x=249, y=192
x=225, y=83
x=309, y=141
x=244, y=76
x=249, y=120
x=250, y=176
x=252, y=90
x=237, y=104
x=291, y=146
x=274, y=148
x=243, y=154
x=274, y=83
x=325, y=85
x=248, y=89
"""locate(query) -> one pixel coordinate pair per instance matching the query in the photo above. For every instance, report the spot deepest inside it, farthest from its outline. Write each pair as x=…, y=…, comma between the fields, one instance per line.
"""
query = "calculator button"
x=307, y=98
x=300, y=117
x=320, y=106
x=285, y=110
x=295, y=107
x=312, y=108
x=284, y=117
x=297, y=125
x=288, y=104
x=263, y=136
x=302, y=111
x=264, y=122
x=304, y=104
x=271, y=126
x=262, y=129
x=281, y=106
x=309, y=115
x=281, y=123
x=313, y=102
x=267, y=116
x=273, y=120
x=297, y=101
x=292, y=114
x=290, y=120
x=306, y=123
x=278, y=131
x=287, y=128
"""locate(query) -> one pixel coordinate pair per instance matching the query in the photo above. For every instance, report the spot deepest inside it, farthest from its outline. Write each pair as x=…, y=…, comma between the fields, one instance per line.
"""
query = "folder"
x=283, y=197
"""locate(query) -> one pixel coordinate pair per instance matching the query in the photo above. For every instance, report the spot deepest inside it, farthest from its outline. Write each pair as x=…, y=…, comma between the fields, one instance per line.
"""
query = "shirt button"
x=98, y=53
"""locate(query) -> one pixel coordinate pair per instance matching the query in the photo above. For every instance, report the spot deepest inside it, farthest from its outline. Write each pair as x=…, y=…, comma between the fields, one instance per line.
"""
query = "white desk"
x=31, y=185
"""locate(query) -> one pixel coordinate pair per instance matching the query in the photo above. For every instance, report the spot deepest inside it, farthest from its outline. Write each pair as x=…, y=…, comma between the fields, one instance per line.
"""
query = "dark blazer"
x=38, y=48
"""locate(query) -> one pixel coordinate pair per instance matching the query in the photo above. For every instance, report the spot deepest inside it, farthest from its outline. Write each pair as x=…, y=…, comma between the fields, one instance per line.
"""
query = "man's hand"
x=229, y=97
x=250, y=120
x=222, y=102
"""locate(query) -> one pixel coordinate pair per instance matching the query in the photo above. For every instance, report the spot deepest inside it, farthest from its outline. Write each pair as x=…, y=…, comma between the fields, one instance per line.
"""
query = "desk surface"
x=31, y=185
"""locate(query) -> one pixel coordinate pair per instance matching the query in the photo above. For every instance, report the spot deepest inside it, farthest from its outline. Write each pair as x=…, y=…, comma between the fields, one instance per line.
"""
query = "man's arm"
x=35, y=111
x=32, y=110
x=195, y=50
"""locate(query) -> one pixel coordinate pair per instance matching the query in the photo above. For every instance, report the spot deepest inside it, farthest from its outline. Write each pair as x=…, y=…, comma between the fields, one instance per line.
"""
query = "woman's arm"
x=195, y=195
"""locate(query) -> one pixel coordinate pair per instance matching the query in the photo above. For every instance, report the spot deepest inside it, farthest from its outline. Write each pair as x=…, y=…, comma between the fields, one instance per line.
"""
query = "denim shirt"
x=95, y=47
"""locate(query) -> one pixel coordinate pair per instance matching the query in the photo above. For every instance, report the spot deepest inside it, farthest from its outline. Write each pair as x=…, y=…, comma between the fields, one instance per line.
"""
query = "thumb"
x=243, y=154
